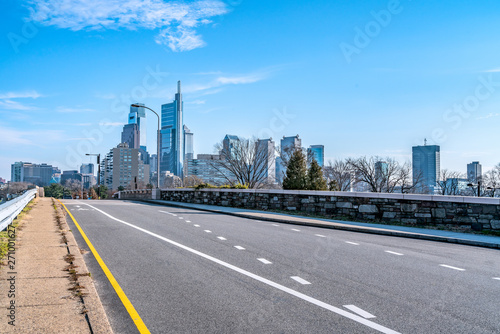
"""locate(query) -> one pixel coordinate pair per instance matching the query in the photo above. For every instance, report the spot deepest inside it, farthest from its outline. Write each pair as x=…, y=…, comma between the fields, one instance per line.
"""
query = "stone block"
x=291, y=208
x=329, y=205
x=423, y=215
x=344, y=205
x=438, y=213
x=389, y=215
x=409, y=207
x=367, y=208
x=495, y=224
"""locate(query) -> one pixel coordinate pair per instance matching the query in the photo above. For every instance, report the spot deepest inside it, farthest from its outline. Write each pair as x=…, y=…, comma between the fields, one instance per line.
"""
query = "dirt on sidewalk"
x=45, y=286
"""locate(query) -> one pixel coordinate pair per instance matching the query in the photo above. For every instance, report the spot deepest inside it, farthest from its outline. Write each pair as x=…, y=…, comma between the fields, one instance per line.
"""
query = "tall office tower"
x=266, y=147
x=131, y=135
x=318, y=153
x=172, y=136
x=137, y=116
x=87, y=169
x=474, y=171
x=229, y=142
x=188, y=144
x=426, y=166
x=288, y=146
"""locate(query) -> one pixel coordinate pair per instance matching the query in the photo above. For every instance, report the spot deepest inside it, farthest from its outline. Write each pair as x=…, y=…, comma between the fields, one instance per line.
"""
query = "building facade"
x=172, y=136
x=188, y=144
x=316, y=152
x=287, y=146
x=37, y=174
x=426, y=161
x=87, y=169
x=267, y=149
x=206, y=168
x=131, y=135
x=474, y=171
x=122, y=167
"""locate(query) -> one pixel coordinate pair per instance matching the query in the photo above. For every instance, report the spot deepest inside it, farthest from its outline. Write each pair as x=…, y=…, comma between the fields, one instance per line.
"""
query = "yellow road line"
x=126, y=302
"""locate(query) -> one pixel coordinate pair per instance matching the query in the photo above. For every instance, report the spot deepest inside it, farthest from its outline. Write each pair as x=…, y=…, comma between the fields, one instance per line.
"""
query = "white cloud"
x=493, y=70
x=10, y=136
x=490, y=115
x=7, y=100
x=225, y=80
x=111, y=124
x=176, y=20
x=241, y=80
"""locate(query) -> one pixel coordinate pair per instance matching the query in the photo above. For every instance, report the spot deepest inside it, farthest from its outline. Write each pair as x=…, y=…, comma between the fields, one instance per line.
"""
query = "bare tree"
x=449, y=183
x=339, y=173
x=407, y=181
x=491, y=181
x=247, y=161
x=380, y=175
x=192, y=181
x=75, y=186
x=173, y=181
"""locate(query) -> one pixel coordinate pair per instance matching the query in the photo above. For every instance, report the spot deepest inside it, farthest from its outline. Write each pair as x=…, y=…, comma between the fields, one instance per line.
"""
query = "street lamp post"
x=157, y=145
x=478, y=187
x=98, y=155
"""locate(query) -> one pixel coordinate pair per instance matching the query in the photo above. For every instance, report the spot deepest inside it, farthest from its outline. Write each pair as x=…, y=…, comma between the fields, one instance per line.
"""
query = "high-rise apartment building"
x=206, y=168
x=426, y=163
x=474, y=171
x=123, y=167
x=137, y=115
x=318, y=153
x=37, y=174
x=172, y=136
x=131, y=135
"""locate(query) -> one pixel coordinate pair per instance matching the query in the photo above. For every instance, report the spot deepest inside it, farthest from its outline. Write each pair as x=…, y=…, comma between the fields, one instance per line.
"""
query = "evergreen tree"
x=54, y=190
x=296, y=172
x=315, y=179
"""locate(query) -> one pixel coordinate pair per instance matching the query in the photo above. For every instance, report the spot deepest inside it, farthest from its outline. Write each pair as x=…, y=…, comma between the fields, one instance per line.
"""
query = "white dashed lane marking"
x=300, y=280
x=264, y=261
x=239, y=247
x=188, y=221
x=221, y=238
x=208, y=231
x=320, y=235
x=294, y=229
x=497, y=278
x=196, y=225
x=451, y=267
x=352, y=243
x=391, y=252
x=275, y=224
x=359, y=311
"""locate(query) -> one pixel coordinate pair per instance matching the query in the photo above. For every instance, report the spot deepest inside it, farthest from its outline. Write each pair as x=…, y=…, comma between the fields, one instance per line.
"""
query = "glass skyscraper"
x=426, y=162
x=318, y=153
x=172, y=136
x=137, y=116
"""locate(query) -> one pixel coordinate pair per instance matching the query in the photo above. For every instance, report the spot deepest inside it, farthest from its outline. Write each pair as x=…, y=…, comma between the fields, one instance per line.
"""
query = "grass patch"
x=4, y=239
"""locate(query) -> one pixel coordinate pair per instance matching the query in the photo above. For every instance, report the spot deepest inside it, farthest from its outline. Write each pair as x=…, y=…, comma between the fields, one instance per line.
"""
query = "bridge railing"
x=10, y=209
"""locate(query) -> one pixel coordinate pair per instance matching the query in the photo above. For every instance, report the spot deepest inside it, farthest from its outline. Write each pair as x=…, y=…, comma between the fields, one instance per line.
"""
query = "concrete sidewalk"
x=391, y=230
x=36, y=293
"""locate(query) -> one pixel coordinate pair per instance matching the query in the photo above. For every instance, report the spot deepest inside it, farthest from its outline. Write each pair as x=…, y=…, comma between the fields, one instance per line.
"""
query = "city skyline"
x=357, y=94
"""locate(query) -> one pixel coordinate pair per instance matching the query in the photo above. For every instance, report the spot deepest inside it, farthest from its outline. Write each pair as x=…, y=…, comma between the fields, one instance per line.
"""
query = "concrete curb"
x=334, y=225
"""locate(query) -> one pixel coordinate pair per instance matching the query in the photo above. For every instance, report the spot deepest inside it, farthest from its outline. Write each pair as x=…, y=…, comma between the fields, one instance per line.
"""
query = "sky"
x=362, y=78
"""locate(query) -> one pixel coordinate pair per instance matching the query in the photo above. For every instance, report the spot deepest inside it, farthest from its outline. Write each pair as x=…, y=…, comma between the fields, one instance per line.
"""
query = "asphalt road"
x=189, y=271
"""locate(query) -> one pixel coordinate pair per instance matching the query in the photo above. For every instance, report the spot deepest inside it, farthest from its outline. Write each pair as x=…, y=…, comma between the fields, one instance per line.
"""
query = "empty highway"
x=189, y=271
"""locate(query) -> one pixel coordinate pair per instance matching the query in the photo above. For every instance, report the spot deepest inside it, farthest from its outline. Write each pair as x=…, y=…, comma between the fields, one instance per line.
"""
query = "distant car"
x=67, y=197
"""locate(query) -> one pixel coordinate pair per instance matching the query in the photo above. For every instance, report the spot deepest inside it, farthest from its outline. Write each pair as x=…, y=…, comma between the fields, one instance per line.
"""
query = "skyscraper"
x=188, y=144
x=318, y=153
x=137, y=116
x=37, y=174
x=426, y=162
x=474, y=171
x=172, y=136
x=288, y=146
x=87, y=169
x=267, y=151
x=131, y=135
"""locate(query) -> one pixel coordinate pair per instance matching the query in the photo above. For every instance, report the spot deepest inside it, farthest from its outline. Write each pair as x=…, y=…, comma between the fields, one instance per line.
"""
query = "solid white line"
x=239, y=247
x=300, y=280
x=264, y=261
x=221, y=238
x=359, y=311
x=352, y=243
x=391, y=252
x=497, y=278
x=261, y=279
x=208, y=231
x=196, y=225
x=294, y=229
x=320, y=235
x=455, y=268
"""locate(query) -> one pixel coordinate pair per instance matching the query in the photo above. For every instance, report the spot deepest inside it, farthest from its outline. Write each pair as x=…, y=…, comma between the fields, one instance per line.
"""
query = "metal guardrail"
x=10, y=209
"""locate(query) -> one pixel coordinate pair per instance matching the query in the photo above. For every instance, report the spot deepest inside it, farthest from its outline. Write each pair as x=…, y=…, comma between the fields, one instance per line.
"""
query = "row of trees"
x=73, y=188
x=456, y=183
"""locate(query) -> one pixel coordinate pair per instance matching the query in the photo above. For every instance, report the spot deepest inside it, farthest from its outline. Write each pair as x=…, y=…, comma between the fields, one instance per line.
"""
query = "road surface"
x=189, y=271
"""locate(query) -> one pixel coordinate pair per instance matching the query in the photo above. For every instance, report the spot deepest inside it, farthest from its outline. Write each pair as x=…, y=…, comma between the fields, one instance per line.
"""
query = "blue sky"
x=360, y=77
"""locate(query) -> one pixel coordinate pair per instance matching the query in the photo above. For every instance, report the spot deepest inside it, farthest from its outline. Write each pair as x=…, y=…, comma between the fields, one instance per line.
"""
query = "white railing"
x=10, y=209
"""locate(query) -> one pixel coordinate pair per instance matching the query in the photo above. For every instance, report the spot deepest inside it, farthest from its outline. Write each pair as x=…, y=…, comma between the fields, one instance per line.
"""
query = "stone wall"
x=450, y=212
